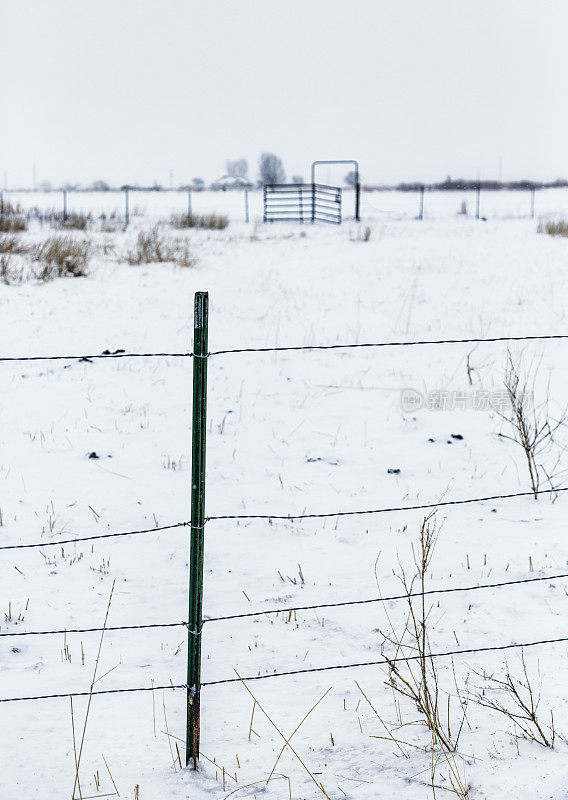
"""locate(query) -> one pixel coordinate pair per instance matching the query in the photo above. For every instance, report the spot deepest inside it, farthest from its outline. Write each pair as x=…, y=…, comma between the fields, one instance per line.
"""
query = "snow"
x=288, y=432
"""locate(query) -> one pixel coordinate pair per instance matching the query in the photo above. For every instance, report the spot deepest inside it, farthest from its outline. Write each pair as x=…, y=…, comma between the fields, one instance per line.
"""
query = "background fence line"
x=124, y=207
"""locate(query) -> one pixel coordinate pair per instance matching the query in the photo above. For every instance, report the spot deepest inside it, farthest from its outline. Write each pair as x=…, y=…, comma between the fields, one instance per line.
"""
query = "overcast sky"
x=129, y=90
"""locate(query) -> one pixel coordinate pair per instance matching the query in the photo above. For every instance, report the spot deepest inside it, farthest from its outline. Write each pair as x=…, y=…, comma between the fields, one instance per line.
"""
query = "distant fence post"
x=477, y=200
x=189, y=202
x=198, y=436
x=357, y=199
x=1, y=204
x=421, y=212
x=127, y=205
x=246, y=205
x=64, y=205
x=533, y=191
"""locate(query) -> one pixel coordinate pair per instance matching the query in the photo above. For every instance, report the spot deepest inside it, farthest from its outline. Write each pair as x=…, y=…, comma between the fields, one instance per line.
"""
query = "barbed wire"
x=386, y=661
x=388, y=510
x=388, y=344
x=98, y=355
x=99, y=691
x=119, y=354
x=367, y=601
x=287, y=610
x=97, y=630
x=356, y=665
x=97, y=536
x=424, y=506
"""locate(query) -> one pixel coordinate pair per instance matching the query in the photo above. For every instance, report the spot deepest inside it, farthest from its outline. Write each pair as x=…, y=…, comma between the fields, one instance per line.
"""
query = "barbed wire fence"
x=198, y=522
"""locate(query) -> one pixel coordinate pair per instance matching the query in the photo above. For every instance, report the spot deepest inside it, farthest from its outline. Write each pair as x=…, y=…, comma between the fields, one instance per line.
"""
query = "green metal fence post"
x=198, y=436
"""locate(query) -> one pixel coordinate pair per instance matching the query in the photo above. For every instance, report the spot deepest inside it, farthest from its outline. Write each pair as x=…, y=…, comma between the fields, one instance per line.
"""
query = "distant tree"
x=271, y=169
x=197, y=184
x=351, y=178
x=237, y=168
x=297, y=179
x=100, y=186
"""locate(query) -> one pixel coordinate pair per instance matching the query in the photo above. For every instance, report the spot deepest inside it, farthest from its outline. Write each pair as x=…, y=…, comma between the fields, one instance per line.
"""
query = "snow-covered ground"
x=292, y=432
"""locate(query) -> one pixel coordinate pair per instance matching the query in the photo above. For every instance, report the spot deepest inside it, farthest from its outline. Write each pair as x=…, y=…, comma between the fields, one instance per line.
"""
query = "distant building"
x=230, y=182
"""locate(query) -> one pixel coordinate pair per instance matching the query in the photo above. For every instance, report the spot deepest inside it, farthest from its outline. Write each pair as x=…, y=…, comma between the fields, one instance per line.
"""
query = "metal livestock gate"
x=302, y=202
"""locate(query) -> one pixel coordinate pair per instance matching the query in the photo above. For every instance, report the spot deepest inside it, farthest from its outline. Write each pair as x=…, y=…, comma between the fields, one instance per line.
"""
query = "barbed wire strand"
x=290, y=672
x=97, y=356
x=387, y=510
x=425, y=506
x=386, y=661
x=367, y=601
x=99, y=691
x=91, y=538
x=388, y=344
x=287, y=349
x=287, y=610
x=97, y=630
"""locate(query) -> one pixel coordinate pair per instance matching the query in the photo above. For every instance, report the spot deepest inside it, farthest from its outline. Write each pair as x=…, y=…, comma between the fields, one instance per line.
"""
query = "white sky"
x=127, y=90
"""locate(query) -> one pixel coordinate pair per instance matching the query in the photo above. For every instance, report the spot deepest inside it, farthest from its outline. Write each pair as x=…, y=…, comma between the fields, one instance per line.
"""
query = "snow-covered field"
x=288, y=433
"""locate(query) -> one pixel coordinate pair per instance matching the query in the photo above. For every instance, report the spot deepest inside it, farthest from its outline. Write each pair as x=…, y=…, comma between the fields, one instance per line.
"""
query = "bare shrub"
x=554, y=228
x=520, y=704
x=212, y=222
x=154, y=246
x=62, y=256
x=531, y=424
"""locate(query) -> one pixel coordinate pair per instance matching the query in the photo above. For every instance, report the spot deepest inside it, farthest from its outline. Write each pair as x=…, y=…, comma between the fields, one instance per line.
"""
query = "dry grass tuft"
x=12, y=223
x=77, y=222
x=558, y=228
x=12, y=245
x=155, y=247
x=212, y=222
x=62, y=256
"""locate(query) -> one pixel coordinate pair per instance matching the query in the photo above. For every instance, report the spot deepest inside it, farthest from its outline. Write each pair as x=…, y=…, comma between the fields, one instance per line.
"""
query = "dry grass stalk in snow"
x=531, y=425
x=522, y=709
x=155, y=247
x=414, y=675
